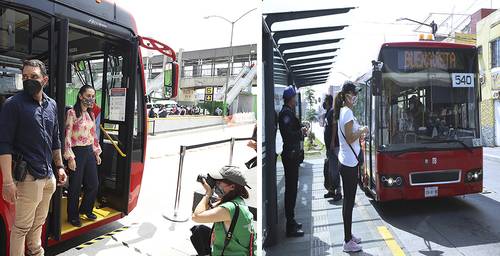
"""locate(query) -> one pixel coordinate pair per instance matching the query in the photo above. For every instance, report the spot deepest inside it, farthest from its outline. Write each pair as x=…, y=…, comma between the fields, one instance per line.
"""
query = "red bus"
x=84, y=42
x=422, y=107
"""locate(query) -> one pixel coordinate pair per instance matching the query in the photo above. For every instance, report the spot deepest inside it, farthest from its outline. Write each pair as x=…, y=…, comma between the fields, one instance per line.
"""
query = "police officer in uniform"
x=292, y=156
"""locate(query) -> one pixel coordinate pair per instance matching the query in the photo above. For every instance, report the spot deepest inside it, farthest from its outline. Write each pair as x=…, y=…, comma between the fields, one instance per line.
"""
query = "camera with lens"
x=210, y=180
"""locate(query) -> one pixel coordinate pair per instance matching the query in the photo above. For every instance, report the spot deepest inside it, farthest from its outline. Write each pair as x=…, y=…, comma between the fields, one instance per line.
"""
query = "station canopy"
x=305, y=54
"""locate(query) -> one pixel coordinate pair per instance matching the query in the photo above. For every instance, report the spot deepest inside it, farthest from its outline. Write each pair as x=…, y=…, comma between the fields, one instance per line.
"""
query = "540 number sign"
x=461, y=80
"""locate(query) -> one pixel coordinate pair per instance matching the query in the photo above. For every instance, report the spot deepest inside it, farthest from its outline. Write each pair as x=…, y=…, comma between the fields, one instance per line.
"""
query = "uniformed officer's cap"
x=289, y=92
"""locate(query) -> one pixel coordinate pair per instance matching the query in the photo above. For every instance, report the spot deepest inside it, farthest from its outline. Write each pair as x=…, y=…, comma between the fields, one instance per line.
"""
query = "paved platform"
x=322, y=220
x=492, y=153
x=146, y=231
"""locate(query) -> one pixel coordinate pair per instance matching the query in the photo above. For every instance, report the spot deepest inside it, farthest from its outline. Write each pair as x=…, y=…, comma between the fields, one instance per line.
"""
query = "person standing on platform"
x=291, y=156
x=332, y=175
x=29, y=136
x=349, y=132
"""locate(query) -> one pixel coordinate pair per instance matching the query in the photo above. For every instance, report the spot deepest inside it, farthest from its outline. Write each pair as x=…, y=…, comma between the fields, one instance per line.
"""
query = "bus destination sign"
x=412, y=60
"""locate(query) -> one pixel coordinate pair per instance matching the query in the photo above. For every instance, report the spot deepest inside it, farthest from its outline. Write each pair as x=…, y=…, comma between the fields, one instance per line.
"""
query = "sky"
x=181, y=24
x=370, y=25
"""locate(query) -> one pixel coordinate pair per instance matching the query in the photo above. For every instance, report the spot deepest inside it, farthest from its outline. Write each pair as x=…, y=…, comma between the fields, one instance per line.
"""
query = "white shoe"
x=352, y=246
x=356, y=239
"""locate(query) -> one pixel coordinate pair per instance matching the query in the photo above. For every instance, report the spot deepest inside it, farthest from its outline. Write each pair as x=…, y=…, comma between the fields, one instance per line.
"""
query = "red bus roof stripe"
x=429, y=44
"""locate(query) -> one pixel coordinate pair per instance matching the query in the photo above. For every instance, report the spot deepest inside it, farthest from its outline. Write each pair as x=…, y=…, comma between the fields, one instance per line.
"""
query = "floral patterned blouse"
x=80, y=132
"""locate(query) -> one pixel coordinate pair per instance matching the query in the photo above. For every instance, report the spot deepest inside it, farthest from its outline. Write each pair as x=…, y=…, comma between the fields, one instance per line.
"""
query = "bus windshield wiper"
x=447, y=141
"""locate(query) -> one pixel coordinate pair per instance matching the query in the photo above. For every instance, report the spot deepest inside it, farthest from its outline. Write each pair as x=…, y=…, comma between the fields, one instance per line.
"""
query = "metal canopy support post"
x=269, y=186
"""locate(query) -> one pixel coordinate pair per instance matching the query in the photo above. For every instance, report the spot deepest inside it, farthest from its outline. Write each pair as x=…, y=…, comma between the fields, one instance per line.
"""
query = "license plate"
x=431, y=191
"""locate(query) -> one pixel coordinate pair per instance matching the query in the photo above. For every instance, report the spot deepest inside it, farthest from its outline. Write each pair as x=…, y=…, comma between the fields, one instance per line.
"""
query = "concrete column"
x=269, y=190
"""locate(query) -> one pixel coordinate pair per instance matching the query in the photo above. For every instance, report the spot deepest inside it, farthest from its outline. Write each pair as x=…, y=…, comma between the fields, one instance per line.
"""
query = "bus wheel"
x=3, y=239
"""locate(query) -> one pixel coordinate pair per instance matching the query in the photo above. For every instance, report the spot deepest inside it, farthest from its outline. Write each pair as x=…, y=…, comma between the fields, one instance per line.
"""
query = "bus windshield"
x=429, y=98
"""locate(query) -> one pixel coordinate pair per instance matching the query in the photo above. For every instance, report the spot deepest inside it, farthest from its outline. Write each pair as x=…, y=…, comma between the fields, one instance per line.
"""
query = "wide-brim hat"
x=230, y=173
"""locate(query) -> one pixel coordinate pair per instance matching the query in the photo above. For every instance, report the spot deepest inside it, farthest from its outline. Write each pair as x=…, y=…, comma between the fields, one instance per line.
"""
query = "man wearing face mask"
x=30, y=133
x=292, y=156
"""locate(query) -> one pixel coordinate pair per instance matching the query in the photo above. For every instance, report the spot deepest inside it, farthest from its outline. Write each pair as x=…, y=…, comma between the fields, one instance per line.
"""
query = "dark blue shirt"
x=290, y=129
x=32, y=130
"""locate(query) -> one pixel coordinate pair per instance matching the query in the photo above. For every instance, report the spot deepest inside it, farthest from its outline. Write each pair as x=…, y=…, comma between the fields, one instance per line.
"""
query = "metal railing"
x=182, y=153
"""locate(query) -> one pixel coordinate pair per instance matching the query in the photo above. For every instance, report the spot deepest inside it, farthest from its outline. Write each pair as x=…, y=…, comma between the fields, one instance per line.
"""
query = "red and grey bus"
x=421, y=104
x=84, y=42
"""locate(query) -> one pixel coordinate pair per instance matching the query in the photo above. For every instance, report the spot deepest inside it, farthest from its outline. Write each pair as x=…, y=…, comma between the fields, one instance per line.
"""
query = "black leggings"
x=349, y=186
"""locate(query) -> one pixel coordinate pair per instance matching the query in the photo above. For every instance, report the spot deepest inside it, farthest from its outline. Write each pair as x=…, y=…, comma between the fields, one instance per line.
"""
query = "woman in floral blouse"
x=82, y=151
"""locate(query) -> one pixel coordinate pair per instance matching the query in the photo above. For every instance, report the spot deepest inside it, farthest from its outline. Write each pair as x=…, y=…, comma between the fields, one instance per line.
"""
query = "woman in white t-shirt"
x=349, y=132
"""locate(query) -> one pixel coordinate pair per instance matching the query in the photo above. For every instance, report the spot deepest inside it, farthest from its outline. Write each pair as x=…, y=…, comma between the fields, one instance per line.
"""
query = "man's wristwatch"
x=59, y=167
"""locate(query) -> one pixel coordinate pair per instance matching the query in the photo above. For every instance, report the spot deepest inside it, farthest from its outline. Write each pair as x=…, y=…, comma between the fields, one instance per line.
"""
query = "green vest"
x=240, y=243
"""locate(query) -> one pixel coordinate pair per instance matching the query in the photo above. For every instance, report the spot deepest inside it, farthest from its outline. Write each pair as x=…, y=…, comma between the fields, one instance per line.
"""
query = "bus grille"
x=435, y=177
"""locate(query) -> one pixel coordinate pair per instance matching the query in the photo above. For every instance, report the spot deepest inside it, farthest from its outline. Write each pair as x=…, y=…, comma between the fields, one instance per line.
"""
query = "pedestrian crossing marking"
x=389, y=240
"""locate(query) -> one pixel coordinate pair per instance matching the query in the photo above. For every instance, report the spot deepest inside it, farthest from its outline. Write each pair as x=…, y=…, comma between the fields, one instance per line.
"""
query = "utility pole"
x=224, y=111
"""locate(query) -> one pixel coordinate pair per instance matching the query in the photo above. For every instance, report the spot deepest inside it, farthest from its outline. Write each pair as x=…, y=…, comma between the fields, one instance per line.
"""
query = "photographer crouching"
x=229, y=213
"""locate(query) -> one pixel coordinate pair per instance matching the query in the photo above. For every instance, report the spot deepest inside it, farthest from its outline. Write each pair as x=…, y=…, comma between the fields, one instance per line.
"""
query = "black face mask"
x=32, y=86
x=219, y=191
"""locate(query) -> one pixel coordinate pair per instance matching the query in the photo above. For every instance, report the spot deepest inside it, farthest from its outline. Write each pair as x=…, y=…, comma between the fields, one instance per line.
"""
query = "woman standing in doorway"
x=82, y=151
x=349, y=132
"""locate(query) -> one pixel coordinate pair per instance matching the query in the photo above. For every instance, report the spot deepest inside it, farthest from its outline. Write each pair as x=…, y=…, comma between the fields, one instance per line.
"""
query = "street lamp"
x=432, y=25
x=231, y=52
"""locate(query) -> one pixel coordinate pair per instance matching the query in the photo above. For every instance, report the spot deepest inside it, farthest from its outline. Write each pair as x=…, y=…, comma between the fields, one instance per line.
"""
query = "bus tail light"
x=474, y=175
x=391, y=180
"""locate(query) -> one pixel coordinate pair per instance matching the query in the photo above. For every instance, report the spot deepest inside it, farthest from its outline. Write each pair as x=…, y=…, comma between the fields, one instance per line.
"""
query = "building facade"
x=488, y=42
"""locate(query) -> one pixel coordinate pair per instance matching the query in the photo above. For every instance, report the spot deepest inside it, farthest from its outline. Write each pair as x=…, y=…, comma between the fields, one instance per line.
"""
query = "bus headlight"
x=391, y=180
x=474, y=175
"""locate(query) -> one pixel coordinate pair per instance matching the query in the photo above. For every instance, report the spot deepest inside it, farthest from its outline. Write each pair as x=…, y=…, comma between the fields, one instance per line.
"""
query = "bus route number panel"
x=431, y=191
x=462, y=80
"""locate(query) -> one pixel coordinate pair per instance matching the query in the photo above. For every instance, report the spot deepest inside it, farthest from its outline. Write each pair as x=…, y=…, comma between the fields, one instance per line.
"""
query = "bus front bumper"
x=407, y=192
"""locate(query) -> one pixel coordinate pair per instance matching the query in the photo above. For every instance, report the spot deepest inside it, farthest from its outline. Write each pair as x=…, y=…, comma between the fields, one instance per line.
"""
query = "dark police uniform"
x=291, y=156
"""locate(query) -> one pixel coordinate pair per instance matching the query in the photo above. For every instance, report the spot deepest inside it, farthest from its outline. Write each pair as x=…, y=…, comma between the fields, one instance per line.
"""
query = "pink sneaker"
x=356, y=239
x=352, y=246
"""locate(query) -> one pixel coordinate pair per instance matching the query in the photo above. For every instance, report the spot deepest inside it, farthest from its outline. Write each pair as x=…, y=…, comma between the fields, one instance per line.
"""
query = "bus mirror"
x=171, y=79
x=376, y=82
x=175, y=79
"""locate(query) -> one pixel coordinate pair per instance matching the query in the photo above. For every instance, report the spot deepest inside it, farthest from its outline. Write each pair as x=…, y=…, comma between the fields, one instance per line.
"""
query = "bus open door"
x=113, y=66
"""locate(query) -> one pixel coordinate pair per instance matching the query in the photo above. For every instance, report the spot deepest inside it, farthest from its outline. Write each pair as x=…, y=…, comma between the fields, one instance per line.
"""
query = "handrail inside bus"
x=112, y=141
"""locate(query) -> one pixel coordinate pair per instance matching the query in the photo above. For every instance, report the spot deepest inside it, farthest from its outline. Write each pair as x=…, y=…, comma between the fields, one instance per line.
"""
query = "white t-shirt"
x=346, y=156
